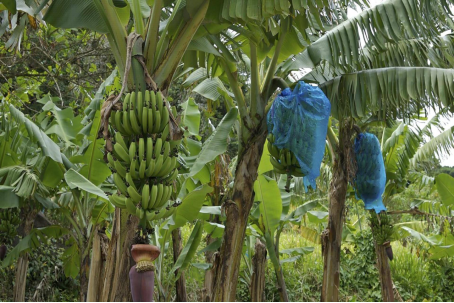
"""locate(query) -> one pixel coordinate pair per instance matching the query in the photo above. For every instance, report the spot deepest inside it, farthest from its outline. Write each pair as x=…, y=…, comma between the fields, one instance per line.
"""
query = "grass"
x=415, y=276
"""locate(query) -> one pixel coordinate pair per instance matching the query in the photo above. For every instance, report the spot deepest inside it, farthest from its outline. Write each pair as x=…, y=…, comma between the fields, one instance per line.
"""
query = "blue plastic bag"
x=298, y=120
x=370, y=180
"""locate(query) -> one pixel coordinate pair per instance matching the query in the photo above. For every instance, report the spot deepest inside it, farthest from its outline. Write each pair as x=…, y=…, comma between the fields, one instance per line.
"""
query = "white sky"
x=447, y=160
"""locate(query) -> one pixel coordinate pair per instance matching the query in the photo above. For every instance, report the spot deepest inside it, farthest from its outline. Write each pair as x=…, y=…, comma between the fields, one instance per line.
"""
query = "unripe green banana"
x=170, y=178
x=158, y=164
x=282, y=159
x=149, y=150
x=150, y=168
x=141, y=149
x=126, y=101
x=157, y=122
x=159, y=101
x=166, y=149
x=144, y=122
x=164, y=119
x=167, y=166
x=130, y=207
x=157, y=148
x=112, y=119
x=136, y=197
x=142, y=169
x=296, y=172
x=153, y=101
x=118, y=200
x=122, y=153
x=130, y=181
x=153, y=196
x=132, y=100
x=150, y=215
x=133, y=169
x=127, y=124
x=118, y=122
x=111, y=160
x=150, y=122
x=119, y=139
x=134, y=122
x=139, y=106
x=160, y=194
x=120, y=169
x=145, y=196
x=165, y=133
x=276, y=163
x=120, y=184
x=275, y=151
x=132, y=150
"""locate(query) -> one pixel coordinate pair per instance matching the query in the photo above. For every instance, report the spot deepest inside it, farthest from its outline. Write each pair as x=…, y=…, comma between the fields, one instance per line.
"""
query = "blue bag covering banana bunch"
x=370, y=180
x=144, y=159
x=298, y=122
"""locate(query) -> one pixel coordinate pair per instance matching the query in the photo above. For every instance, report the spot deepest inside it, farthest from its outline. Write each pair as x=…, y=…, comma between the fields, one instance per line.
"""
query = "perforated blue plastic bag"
x=370, y=180
x=298, y=120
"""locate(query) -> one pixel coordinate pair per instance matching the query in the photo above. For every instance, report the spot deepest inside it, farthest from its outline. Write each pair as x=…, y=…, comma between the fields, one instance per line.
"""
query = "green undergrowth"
x=416, y=277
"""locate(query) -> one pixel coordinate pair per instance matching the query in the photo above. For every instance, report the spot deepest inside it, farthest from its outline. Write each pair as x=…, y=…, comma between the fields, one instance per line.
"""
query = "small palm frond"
x=439, y=145
x=434, y=122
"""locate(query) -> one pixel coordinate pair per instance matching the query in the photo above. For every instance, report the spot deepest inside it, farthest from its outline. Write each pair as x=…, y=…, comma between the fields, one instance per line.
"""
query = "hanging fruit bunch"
x=382, y=230
x=283, y=161
x=144, y=158
x=297, y=125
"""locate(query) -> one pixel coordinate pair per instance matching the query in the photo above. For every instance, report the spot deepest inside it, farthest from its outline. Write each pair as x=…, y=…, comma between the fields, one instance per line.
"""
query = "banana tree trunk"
x=112, y=257
x=28, y=218
x=180, y=284
x=332, y=236
x=258, y=275
x=237, y=211
x=21, y=278
x=94, y=280
x=210, y=275
x=273, y=250
x=116, y=282
x=121, y=287
x=83, y=275
x=384, y=272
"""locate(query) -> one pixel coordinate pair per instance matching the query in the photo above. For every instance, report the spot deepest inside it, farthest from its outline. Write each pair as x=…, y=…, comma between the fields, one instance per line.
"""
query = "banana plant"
x=264, y=35
x=273, y=213
x=364, y=79
x=61, y=136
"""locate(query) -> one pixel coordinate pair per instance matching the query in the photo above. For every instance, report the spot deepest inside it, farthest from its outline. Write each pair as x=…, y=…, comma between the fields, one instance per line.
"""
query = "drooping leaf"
x=216, y=144
x=265, y=164
x=8, y=199
x=190, y=206
x=317, y=216
x=445, y=187
x=71, y=261
x=46, y=202
x=49, y=147
x=76, y=14
x=189, y=250
x=76, y=180
x=191, y=116
x=269, y=195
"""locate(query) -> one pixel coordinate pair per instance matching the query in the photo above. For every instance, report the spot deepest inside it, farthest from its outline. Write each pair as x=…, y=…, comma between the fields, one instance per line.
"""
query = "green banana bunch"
x=283, y=160
x=381, y=226
x=144, y=160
